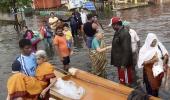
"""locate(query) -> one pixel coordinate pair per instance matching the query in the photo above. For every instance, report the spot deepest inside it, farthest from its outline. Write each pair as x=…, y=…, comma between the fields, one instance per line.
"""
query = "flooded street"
x=155, y=19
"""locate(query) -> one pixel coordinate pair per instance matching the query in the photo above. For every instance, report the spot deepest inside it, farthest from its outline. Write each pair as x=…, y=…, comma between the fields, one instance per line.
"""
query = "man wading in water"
x=121, y=53
x=90, y=29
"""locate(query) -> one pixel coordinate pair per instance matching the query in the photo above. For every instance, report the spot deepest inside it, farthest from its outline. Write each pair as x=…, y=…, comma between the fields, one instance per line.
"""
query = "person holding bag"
x=153, y=58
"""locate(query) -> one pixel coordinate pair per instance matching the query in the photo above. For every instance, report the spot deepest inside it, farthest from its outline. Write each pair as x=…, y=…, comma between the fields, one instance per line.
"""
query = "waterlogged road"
x=155, y=19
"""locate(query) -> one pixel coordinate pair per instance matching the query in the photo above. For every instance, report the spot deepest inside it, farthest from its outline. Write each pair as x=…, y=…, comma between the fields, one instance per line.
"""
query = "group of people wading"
x=152, y=57
x=32, y=72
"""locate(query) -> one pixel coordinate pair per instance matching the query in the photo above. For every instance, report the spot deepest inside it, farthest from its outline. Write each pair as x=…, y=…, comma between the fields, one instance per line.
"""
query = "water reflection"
x=78, y=42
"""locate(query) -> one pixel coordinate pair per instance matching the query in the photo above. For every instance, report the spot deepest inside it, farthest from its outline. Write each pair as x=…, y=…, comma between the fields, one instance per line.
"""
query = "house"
x=44, y=4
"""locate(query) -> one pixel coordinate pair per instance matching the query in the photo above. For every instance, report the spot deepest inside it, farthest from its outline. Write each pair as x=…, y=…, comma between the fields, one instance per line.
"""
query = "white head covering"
x=147, y=52
x=41, y=53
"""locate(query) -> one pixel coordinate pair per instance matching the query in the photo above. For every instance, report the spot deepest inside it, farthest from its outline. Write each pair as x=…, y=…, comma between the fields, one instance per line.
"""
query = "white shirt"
x=83, y=17
x=134, y=39
x=52, y=20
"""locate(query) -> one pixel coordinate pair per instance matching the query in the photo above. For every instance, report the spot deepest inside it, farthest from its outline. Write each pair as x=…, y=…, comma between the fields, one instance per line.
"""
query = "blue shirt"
x=28, y=64
x=96, y=43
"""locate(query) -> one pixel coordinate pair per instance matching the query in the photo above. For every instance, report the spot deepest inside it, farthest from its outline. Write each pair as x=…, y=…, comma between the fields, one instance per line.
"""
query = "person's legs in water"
x=125, y=75
x=66, y=67
x=89, y=41
x=79, y=31
x=53, y=32
x=148, y=86
x=129, y=76
x=69, y=45
x=155, y=93
x=74, y=31
x=135, y=77
x=66, y=61
x=50, y=47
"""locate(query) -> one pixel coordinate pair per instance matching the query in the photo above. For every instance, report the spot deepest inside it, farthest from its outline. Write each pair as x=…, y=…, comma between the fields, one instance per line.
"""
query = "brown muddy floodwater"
x=154, y=19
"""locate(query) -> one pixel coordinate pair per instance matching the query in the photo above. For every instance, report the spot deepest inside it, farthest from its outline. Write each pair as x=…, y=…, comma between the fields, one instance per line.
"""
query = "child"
x=32, y=37
x=60, y=44
x=69, y=37
x=46, y=42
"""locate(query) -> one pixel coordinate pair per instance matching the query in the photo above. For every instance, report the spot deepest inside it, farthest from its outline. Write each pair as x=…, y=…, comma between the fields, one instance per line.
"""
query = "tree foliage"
x=8, y=4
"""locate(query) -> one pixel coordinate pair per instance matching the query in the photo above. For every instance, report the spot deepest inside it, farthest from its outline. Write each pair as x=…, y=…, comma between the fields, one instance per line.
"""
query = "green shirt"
x=96, y=43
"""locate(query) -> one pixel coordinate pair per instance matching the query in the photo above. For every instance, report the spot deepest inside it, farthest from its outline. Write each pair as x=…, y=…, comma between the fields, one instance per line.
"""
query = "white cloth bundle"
x=157, y=69
x=69, y=89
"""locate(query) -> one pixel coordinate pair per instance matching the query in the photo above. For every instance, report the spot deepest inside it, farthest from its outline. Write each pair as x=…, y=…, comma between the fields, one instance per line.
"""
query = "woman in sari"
x=98, y=55
x=44, y=71
x=23, y=87
x=153, y=58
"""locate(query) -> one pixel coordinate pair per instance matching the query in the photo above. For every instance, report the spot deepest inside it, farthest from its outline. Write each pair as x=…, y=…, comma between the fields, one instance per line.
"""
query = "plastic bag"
x=157, y=68
x=69, y=89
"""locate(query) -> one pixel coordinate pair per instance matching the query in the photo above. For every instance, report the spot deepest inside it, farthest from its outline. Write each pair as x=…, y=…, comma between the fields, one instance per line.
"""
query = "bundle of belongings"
x=69, y=89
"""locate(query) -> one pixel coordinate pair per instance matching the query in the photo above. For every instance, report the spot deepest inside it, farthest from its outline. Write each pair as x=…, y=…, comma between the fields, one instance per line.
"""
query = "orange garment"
x=43, y=73
x=16, y=86
x=20, y=85
x=61, y=42
x=155, y=82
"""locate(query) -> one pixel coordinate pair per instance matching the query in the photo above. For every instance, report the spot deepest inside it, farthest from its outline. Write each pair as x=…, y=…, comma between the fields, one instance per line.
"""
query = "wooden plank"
x=58, y=74
x=93, y=91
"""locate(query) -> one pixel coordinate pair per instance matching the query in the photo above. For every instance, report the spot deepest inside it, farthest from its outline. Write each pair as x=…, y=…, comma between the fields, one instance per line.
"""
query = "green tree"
x=7, y=5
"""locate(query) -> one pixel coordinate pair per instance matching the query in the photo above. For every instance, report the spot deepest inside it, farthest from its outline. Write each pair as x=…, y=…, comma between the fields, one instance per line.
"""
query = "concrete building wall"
x=6, y=16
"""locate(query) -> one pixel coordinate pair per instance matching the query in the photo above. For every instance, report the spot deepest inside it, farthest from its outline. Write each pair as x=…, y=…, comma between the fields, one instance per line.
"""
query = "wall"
x=6, y=16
